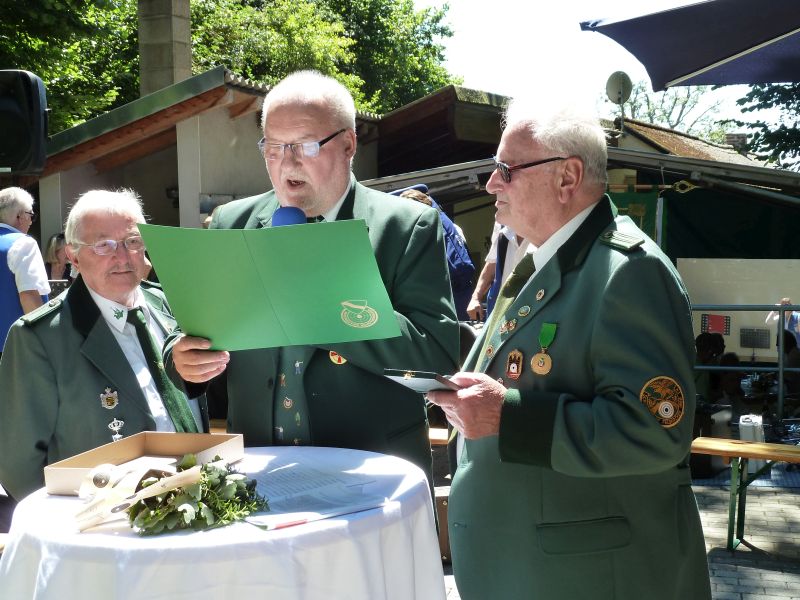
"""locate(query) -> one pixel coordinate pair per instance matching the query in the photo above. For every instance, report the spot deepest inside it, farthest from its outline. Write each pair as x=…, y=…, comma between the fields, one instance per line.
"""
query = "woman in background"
x=55, y=258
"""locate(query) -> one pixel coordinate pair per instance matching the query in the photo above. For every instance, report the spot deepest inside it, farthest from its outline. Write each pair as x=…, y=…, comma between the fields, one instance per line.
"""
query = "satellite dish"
x=619, y=87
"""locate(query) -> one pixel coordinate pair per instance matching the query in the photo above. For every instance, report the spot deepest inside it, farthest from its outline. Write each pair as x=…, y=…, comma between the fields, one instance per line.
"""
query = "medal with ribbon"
x=541, y=363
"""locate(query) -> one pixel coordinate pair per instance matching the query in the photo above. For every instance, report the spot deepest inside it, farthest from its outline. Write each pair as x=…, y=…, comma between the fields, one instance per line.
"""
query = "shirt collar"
x=7, y=226
x=115, y=314
x=546, y=251
x=334, y=211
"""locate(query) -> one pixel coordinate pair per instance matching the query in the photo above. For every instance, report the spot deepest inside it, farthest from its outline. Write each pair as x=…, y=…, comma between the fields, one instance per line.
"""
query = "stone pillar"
x=165, y=44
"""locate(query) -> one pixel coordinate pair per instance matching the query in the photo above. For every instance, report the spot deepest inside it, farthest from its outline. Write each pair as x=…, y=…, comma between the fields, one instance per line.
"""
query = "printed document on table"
x=298, y=494
x=307, y=284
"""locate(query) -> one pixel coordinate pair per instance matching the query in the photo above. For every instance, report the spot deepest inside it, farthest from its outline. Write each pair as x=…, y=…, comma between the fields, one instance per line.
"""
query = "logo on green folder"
x=357, y=314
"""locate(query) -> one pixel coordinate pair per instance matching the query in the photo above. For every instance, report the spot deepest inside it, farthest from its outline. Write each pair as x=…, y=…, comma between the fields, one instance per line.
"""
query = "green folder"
x=308, y=284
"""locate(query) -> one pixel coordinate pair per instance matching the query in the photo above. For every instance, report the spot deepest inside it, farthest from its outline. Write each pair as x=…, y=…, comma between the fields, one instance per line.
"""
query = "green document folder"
x=308, y=284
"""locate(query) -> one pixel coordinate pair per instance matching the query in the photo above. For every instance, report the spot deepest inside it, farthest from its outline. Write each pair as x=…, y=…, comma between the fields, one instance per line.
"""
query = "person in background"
x=459, y=263
x=577, y=400
x=23, y=279
x=336, y=394
x=791, y=360
x=55, y=258
x=82, y=370
x=506, y=250
x=792, y=319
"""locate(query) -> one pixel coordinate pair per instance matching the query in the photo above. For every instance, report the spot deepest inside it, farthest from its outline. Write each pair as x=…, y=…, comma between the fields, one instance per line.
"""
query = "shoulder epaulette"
x=150, y=284
x=621, y=241
x=41, y=312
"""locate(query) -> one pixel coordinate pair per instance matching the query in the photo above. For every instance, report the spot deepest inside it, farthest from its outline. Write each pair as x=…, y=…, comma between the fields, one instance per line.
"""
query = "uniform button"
x=270, y=382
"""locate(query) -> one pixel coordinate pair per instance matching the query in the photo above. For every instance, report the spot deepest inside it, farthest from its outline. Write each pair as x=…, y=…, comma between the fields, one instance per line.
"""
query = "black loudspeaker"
x=23, y=122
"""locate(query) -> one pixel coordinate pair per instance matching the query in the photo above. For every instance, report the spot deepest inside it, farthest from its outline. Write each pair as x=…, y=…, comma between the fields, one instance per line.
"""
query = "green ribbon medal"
x=541, y=363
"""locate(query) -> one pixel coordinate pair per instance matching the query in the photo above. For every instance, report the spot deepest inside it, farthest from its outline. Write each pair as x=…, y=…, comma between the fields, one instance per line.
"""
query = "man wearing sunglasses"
x=23, y=278
x=76, y=373
x=578, y=400
x=335, y=395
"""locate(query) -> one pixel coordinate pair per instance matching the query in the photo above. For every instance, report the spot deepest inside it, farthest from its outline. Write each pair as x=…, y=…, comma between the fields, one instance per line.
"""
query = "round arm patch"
x=664, y=398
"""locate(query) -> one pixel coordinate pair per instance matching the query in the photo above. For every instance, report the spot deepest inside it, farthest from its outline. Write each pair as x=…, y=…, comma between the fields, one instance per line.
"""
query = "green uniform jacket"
x=58, y=361
x=352, y=405
x=586, y=492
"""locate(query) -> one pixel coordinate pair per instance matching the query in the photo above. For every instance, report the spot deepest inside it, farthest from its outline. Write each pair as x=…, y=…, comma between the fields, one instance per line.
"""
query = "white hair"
x=14, y=200
x=123, y=203
x=564, y=130
x=312, y=87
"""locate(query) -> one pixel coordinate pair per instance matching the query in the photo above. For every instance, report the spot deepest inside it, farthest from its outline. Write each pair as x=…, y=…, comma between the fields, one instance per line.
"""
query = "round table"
x=390, y=552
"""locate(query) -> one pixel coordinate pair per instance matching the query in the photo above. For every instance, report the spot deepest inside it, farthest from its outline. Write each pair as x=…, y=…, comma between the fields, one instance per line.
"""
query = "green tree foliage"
x=397, y=49
x=777, y=143
x=86, y=51
x=681, y=108
x=266, y=41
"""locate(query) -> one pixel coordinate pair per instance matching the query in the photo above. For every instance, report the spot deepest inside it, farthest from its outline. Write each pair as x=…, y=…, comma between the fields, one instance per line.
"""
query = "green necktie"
x=505, y=298
x=174, y=400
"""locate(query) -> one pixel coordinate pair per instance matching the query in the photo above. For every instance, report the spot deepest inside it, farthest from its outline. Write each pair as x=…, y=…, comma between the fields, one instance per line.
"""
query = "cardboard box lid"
x=65, y=476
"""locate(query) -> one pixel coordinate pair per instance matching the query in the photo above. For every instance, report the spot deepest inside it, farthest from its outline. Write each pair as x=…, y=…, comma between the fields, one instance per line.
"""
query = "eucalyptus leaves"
x=221, y=497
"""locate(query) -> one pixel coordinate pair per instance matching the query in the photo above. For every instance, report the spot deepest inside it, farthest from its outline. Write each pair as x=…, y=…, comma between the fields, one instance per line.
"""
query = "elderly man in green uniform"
x=577, y=401
x=335, y=395
x=75, y=373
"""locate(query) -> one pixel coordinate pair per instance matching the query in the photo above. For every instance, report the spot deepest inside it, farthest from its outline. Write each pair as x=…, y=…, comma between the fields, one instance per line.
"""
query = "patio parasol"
x=713, y=42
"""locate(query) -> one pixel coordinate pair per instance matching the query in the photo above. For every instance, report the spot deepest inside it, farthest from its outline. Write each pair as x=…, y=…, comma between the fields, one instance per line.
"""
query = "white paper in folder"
x=751, y=429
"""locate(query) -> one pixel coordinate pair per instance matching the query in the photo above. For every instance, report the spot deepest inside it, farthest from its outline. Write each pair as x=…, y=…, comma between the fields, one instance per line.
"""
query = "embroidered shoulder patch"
x=664, y=398
x=40, y=313
x=621, y=241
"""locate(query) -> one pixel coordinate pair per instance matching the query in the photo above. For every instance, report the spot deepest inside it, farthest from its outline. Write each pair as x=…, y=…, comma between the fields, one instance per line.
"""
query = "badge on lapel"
x=109, y=399
x=514, y=364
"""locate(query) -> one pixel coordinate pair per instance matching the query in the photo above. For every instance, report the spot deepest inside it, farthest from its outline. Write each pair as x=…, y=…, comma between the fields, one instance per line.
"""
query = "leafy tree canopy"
x=86, y=51
x=777, y=143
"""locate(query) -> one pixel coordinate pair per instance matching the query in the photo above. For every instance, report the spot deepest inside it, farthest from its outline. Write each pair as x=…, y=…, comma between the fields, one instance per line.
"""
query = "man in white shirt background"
x=23, y=279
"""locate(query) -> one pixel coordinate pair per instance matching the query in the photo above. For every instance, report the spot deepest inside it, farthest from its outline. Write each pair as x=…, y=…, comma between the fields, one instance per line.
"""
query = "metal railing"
x=781, y=309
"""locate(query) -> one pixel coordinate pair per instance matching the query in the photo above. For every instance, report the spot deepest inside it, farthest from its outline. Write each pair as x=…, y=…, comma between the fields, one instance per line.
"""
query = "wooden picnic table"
x=739, y=452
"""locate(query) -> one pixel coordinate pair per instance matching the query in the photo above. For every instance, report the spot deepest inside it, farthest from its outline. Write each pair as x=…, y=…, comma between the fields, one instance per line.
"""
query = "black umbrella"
x=714, y=42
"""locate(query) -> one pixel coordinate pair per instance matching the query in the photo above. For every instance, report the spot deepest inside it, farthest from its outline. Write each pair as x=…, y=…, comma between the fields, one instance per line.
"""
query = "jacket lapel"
x=548, y=281
x=263, y=216
x=165, y=320
x=100, y=347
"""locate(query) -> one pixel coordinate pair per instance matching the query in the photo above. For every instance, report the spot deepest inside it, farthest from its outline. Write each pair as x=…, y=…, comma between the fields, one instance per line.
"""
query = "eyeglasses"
x=31, y=214
x=133, y=243
x=506, y=170
x=300, y=149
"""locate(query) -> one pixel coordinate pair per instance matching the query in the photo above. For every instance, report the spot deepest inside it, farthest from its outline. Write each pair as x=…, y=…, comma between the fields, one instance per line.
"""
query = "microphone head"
x=288, y=215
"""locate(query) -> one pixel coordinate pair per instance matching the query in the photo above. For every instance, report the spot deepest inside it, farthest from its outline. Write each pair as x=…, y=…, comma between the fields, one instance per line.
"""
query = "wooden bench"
x=739, y=452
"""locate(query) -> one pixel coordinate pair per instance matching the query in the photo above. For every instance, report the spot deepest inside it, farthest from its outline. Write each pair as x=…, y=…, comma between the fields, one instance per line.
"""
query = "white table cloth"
x=388, y=553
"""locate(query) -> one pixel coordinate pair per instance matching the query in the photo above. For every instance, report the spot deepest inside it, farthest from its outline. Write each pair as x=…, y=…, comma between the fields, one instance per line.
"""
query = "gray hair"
x=565, y=131
x=121, y=203
x=312, y=87
x=14, y=200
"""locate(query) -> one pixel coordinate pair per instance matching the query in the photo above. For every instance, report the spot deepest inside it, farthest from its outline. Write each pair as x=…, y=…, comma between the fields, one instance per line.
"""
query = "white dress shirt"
x=116, y=316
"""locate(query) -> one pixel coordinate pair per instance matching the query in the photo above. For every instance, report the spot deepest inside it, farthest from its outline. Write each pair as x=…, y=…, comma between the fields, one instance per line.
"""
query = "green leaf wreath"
x=221, y=497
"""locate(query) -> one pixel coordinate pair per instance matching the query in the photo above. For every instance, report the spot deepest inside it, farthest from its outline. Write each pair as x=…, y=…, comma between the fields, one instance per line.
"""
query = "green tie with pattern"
x=505, y=298
x=174, y=400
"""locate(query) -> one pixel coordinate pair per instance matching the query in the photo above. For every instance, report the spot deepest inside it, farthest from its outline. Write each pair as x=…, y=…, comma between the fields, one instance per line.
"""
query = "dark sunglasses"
x=506, y=170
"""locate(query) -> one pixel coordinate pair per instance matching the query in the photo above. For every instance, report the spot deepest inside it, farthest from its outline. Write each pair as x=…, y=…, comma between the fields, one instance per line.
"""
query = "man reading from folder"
x=334, y=395
x=84, y=369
